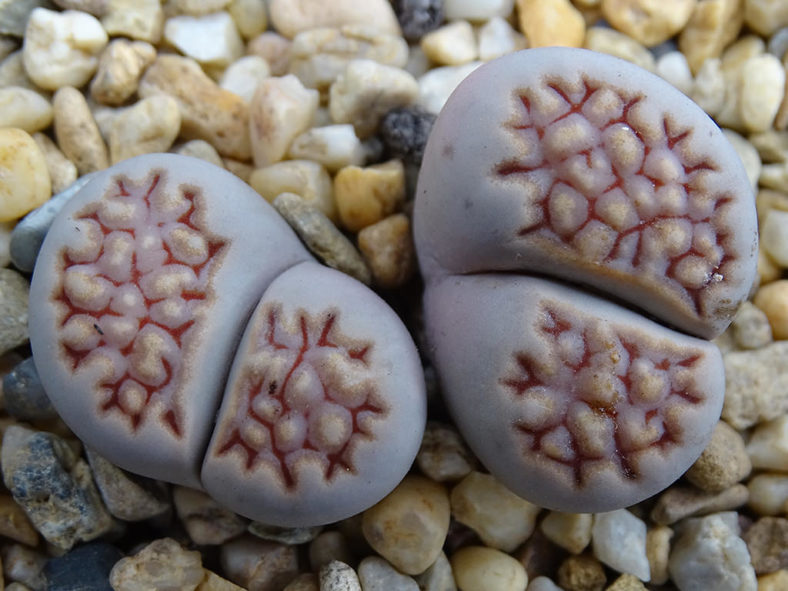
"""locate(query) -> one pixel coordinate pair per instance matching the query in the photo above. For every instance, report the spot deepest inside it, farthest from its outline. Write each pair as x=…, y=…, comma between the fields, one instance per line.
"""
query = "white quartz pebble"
x=709, y=554
x=774, y=235
x=619, y=541
x=762, y=90
x=62, y=48
x=333, y=146
x=674, y=68
x=211, y=40
x=244, y=75
x=768, y=493
x=436, y=85
x=543, y=584
x=451, y=45
x=497, y=38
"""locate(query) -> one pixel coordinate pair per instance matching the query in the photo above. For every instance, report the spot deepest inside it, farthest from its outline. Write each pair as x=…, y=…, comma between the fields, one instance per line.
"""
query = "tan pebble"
x=497, y=38
x=658, y=551
x=773, y=300
x=280, y=110
x=307, y=179
x=150, y=125
x=409, y=526
x=712, y=26
x=14, y=523
x=774, y=176
x=366, y=91
x=679, y=502
x=581, y=573
x=250, y=17
x=338, y=576
x=626, y=582
x=319, y=56
x=774, y=235
x=756, y=385
x=451, y=45
x=768, y=494
x=208, y=112
x=723, y=463
x=290, y=17
x=750, y=327
x=772, y=145
x=748, y=155
x=119, y=70
x=138, y=19
x=776, y=581
x=387, y=246
x=551, y=22
x=443, y=456
x=12, y=72
x=437, y=84
x=274, y=49
x=256, y=564
x=24, y=109
x=240, y=169
x=161, y=564
x=333, y=146
x=304, y=582
x=571, y=531
x=205, y=520
x=188, y=34
x=477, y=568
x=365, y=196
x=200, y=149
x=768, y=270
x=328, y=546
x=501, y=519
x=768, y=445
x=61, y=48
x=21, y=563
x=62, y=172
x=765, y=16
x=77, y=132
x=762, y=91
x=193, y=7
x=612, y=42
x=244, y=75
x=213, y=582
x=24, y=178
x=438, y=577
x=649, y=22
x=767, y=542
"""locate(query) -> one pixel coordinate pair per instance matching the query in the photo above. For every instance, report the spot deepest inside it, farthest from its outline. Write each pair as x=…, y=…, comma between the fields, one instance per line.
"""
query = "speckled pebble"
x=387, y=247
x=85, y=568
x=723, y=463
x=418, y=17
x=404, y=132
x=501, y=519
x=54, y=486
x=756, y=384
x=626, y=582
x=162, y=564
x=14, y=289
x=571, y=531
x=709, y=554
x=127, y=496
x=409, y=526
x=119, y=69
x=619, y=541
x=679, y=502
x=477, y=568
x=375, y=574
x=322, y=237
x=750, y=327
x=23, y=395
x=767, y=542
x=77, y=132
x=581, y=573
x=338, y=576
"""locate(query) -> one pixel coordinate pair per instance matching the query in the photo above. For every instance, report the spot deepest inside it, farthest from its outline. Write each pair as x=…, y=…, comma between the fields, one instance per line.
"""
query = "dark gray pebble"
x=85, y=568
x=24, y=395
x=418, y=17
x=404, y=132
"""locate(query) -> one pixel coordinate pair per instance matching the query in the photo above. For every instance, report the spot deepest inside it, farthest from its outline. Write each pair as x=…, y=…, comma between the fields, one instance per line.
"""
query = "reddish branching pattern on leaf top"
x=133, y=280
x=306, y=393
x=608, y=190
x=600, y=396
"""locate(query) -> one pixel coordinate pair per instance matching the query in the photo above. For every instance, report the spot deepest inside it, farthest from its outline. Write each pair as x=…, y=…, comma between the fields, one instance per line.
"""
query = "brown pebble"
x=627, y=582
x=773, y=300
x=723, y=463
x=387, y=246
x=679, y=502
x=77, y=133
x=582, y=573
x=767, y=541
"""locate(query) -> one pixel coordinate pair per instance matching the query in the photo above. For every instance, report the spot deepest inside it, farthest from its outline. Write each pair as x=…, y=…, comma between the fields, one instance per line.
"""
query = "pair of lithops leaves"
x=182, y=330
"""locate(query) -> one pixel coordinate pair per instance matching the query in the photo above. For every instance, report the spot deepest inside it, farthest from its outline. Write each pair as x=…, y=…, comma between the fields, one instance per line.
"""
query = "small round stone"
x=648, y=21
x=409, y=526
x=751, y=328
x=551, y=22
x=767, y=542
x=571, y=531
x=418, y=17
x=772, y=299
x=77, y=133
x=365, y=196
x=188, y=34
x=338, y=576
x=619, y=541
x=723, y=463
x=24, y=109
x=161, y=564
x=150, y=125
x=768, y=444
x=581, y=573
x=404, y=132
x=768, y=493
x=451, y=45
x=24, y=178
x=375, y=574
x=477, y=568
x=24, y=396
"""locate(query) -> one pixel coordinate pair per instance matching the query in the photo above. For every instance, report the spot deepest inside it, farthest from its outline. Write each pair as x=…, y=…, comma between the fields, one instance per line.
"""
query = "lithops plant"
x=582, y=168
x=148, y=280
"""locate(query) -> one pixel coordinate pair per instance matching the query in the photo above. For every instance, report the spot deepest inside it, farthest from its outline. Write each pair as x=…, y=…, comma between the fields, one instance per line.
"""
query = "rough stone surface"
x=61, y=48
x=443, y=456
x=750, y=327
x=679, y=502
x=756, y=386
x=581, y=573
x=723, y=463
x=24, y=566
x=418, y=17
x=54, y=486
x=127, y=496
x=162, y=564
x=333, y=146
x=208, y=112
x=658, y=552
x=709, y=554
x=501, y=519
x=206, y=522
x=150, y=125
x=14, y=291
x=767, y=542
x=24, y=178
x=244, y=75
x=404, y=132
x=409, y=526
x=24, y=396
x=119, y=69
x=14, y=523
x=712, y=26
x=619, y=541
x=321, y=236
x=327, y=546
x=77, y=133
